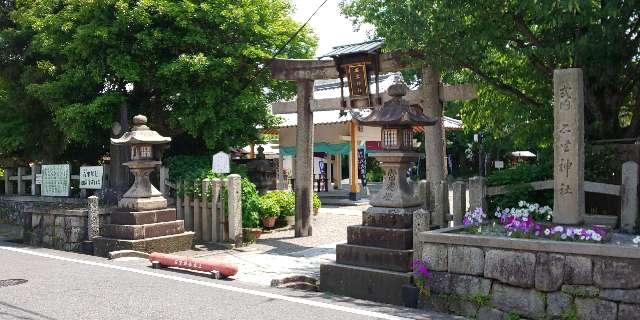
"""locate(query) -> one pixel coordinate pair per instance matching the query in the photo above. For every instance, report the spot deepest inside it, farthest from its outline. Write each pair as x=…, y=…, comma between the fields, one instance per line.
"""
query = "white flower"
x=596, y=237
x=636, y=240
x=563, y=236
x=547, y=232
x=521, y=203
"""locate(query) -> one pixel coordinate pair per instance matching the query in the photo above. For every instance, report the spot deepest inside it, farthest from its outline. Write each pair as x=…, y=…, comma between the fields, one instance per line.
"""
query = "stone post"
x=478, y=193
x=440, y=201
x=304, y=159
x=434, y=140
x=8, y=185
x=205, y=212
x=421, y=220
x=568, y=146
x=20, y=182
x=35, y=170
x=459, y=201
x=235, y=209
x=164, y=175
x=197, y=217
x=629, y=197
x=93, y=218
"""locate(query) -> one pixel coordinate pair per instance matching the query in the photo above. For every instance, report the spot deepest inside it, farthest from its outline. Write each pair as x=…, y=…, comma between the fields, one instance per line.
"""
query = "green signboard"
x=56, y=180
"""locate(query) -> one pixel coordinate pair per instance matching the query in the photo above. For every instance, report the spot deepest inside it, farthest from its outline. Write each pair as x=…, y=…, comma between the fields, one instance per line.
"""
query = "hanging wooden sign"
x=358, y=81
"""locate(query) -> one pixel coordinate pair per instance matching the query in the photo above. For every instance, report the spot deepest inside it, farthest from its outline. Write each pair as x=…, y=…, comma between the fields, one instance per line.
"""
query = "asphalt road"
x=62, y=285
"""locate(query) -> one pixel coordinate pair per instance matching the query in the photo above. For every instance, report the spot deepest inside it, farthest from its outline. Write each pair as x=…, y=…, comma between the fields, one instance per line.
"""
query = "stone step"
x=143, y=217
x=388, y=218
x=364, y=283
x=372, y=257
x=136, y=232
x=389, y=238
x=166, y=244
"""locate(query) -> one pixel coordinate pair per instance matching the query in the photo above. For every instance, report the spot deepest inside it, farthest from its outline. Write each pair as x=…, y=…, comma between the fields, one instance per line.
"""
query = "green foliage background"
x=195, y=67
x=510, y=48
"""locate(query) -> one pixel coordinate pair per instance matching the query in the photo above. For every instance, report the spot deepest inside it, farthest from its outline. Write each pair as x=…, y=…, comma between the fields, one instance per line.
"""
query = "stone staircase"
x=375, y=263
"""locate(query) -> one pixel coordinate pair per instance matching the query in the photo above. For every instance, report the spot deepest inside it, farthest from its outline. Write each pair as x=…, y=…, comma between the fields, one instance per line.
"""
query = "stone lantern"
x=382, y=247
x=397, y=119
x=142, y=221
x=142, y=195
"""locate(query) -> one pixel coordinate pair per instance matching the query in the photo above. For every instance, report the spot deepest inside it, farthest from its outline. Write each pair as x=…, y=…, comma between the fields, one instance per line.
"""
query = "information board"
x=56, y=179
x=220, y=163
x=91, y=177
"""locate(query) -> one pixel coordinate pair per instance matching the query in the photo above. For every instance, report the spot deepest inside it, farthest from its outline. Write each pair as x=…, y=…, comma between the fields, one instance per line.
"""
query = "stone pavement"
x=279, y=254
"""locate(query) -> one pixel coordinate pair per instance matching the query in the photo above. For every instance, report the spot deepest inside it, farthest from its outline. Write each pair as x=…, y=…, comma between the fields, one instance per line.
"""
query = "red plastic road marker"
x=216, y=268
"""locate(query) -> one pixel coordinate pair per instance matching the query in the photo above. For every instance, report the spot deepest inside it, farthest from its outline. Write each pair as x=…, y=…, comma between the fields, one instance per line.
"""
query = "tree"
x=511, y=47
x=193, y=67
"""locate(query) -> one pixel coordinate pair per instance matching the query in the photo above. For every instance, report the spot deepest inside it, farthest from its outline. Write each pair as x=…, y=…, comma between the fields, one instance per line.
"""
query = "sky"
x=331, y=28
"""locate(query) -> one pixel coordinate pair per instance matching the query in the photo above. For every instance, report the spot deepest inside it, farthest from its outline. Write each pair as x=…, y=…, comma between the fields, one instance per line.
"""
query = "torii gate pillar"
x=435, y=148
x=304, y=159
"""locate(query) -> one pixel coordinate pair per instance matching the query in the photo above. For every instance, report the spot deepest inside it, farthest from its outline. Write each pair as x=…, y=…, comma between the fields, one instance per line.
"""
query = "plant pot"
x=315, y=211
x=250, y=235
x=410, y=295
x=291, y=220
x=269, y=222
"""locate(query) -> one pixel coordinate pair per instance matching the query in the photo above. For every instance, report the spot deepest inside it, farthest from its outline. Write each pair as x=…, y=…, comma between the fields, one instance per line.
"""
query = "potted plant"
x=316, y=203
x=269, y=212
x=286, y=201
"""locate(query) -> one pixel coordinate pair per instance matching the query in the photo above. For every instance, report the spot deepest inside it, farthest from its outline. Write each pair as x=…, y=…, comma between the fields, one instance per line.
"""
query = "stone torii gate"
x=430, y=96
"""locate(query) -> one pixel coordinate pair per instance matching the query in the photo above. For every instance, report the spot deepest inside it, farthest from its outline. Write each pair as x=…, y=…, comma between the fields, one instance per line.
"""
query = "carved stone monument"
x=142, y=221
x=375, y=263
x=568, y=146
x=262, y=172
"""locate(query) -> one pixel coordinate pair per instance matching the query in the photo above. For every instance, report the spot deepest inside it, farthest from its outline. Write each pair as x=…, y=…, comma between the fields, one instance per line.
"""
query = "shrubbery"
x=285, y=200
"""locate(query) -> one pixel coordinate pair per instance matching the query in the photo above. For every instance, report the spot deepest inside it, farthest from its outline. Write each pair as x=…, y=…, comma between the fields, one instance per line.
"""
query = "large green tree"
x=511, y=47
x=192, y=66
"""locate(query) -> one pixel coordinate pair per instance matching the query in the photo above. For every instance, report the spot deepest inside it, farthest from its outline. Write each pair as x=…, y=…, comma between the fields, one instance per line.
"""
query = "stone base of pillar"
x=143, y=204
x=375, y=263
x=355, y=196
x=145, y=231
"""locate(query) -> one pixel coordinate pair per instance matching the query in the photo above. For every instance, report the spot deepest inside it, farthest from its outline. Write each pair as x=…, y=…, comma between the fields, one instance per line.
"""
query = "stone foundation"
x=492, y=278
x=58, y=223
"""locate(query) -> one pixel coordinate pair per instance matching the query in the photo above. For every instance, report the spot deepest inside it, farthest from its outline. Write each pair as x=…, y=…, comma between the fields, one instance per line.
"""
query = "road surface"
x=63, y=285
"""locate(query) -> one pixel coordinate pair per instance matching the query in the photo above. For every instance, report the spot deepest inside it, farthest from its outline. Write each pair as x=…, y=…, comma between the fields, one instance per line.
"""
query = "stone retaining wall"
x=60, y=229
x=474, y=279
x=59, y=223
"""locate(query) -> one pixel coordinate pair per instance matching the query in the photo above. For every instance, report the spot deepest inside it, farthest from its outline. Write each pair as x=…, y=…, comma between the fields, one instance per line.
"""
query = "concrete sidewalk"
x=279, y=254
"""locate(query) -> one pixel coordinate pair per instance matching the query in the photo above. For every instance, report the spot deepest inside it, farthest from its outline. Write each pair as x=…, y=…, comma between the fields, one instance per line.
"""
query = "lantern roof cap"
x=396, y=112
x=140, y=134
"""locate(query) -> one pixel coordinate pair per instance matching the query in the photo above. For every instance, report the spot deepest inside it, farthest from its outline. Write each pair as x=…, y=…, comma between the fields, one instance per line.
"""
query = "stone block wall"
x=496, y=283
x=59, y=229
x=59, y=223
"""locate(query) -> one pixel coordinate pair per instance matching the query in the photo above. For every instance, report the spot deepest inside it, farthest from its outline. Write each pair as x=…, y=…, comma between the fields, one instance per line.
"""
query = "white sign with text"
x=220, y=163
x=91, y=177
x=56, y=180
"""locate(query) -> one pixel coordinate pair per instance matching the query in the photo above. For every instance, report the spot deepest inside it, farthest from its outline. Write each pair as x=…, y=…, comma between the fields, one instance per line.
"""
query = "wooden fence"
x=23, y=181
x=627, y=191
x=215, y=215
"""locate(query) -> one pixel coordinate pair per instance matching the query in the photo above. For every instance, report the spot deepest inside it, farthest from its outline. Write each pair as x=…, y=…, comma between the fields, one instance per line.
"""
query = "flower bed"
x=489, y=277
x=530, y=220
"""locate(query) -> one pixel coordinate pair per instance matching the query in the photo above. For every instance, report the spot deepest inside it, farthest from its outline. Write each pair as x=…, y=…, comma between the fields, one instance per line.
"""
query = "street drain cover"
x=11, y=282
